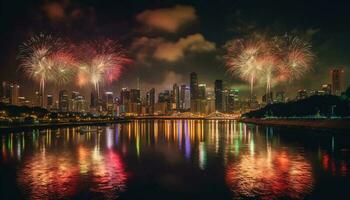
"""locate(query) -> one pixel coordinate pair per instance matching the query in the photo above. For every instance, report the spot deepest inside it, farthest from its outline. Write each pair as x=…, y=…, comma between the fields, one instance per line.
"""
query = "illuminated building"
x=218, y=95
x=63, y=101
x=210, y=105
x=38, y=100
x=5, y=92
x=14, y=94
x=80, y=104
x=108, y=102
x=93, y=100
x=135, y=101
x=150, y=100
x=232, y=100
x=165, y=97
x=124, y=100
x=194, y=86
x=185, y=97
x=22, y=101
x=225, y=96
x=175, y=100
x=49, y=101
x=337, y=76
x=73, y=101
x=202, y=91
x=135, y=96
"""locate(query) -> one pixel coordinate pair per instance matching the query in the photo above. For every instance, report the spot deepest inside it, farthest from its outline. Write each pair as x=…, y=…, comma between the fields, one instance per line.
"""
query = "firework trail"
x=37, y=58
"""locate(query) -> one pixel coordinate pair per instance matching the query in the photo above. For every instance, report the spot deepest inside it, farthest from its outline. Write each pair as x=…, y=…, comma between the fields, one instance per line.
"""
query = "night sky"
x=169, y=39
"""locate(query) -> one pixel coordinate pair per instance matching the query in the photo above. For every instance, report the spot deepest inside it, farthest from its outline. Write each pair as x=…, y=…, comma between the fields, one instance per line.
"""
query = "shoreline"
x=58, y=125
x=315, y=124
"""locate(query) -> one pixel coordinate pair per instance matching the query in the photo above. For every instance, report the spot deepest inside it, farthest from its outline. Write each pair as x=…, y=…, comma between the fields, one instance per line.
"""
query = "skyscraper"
x=218, y=95
x=124, y=96
x=94, y=99
x=135, y=96
x=185, y=97
x=63, y=101
x=337, y=81
x=176, y=97
x=225, y=102
x=194, y=86
x=202, y=91
x=49, y=101
x=14, y=94
x=5, y=92
x=108, y=102
x=150, y=99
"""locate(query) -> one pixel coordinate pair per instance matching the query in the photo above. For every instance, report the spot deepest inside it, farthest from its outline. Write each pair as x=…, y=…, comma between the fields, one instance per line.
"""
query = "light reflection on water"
x=244, y=161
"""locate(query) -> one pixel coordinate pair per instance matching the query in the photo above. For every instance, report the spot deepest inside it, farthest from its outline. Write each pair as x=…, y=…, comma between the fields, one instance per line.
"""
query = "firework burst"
x=242, y=57
x=298, y=56
x=101, y=61
x=37, y=58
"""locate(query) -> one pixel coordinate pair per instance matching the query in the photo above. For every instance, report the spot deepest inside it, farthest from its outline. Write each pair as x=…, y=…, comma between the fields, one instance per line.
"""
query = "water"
x=175, y=159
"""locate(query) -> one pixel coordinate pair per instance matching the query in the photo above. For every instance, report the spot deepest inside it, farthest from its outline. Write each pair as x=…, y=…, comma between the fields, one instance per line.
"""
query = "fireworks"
x=244, y=58
x=37, y=58
x=298, y=56
x=101, y=61
x=268, y=60
x=64, y=68
x=45, y=58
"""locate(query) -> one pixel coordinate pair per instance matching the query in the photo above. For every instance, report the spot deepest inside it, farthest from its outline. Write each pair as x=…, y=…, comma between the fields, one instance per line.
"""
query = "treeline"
x=16, y=111
x=326, y=106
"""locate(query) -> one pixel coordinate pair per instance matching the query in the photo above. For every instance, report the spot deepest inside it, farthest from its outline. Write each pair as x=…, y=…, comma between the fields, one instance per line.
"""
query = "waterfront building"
x=185, y=98
x=175, y=99
x=5, y=92
x=49, y=101
x=14, y=94
x=108, y=102
x=63, y=101
x=165, y=97
x=337, y=76
x=225, y=96
x=150, y=100
x=218, y=95
x=202, y=89
x=194, y=86
x=94, y=101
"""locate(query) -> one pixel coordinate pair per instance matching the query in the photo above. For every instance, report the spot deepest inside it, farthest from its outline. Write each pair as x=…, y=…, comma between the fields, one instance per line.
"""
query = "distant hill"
x=312, y=106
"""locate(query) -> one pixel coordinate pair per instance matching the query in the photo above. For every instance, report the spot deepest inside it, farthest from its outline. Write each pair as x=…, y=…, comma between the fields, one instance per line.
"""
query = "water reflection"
x=245, y=160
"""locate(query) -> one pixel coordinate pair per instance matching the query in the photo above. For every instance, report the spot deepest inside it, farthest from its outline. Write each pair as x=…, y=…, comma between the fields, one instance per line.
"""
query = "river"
x=175, y=159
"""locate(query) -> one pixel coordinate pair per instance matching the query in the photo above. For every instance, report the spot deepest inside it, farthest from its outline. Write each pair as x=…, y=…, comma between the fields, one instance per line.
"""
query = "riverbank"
x=21, y=127
x=329, y=124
